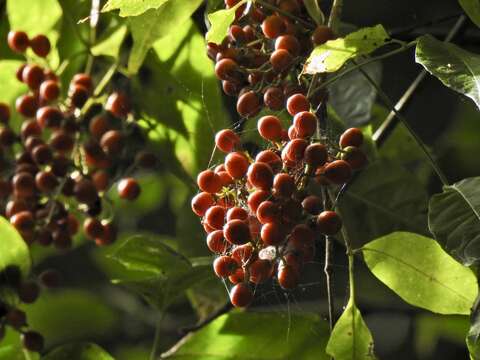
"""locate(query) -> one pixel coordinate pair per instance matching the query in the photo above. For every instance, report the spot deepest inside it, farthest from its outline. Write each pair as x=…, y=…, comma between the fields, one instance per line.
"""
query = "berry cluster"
x=58, y=164
x=260, y=213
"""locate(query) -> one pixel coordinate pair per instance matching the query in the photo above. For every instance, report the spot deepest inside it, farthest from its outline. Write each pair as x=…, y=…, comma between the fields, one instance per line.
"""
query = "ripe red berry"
x=16, y=318
x=241, y=295
x=85, y=192
x=329, y=223
x=289, y=43
x=215, y=217
x=355, y=157
x=227, y=69
x=268, y=212
x=7, y=136
x=305, y=124
x=18, y=41
x=23, y=184
x=78, y=95
x=216, y=242
x=316, y=155
x=62, y=142
x=237, y=213
x=270, y=128
x=256, y=198
x=237, y=232
x=202, y=202
x=272, y=234
x=281, y=60
x=322, y=34
x=49, y=90
x=40, y=45
x=84, y=80
x=49, y=117
x=112, y=142
x=302, y=236
x=109, y=235
x=260, y=175
x=273, y=26
x=260, y=271
x=33, y=76
x=338, y=172
x=288, y=277
x=46, y=181
x=23, y=221
x=297, y=103
x=226, y=140
x=236, y=165
x=283, y=185
x=224, y=266
x=4, y=113
x=351, y=137
x=248, y=104
x=128, y=189
x=209, y=182
x=295, y=149
x=270, y=158
x=312, y=204
x=93, y=228
x=118, y=104
x=27, y=105
x=274, y=98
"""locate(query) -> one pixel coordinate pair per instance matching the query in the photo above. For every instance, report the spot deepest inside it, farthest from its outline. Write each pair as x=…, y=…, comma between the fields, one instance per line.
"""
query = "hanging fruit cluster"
x=59, y=162
x=259, y=212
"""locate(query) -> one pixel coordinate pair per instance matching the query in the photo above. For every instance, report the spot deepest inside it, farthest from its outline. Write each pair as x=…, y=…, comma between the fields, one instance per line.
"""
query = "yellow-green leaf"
x=220, y=21
x=132, y=7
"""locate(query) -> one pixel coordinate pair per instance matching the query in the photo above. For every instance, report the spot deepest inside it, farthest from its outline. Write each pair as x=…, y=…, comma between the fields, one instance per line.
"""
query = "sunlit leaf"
x=79, y=351
x=421, y=273
x=332, y=55
x=472, y=9
x=351, y=339
x=132, y=7
x=13, y=249
x=454, y=67
x=155, y=24
x=250, y=335
x=220, y=21
x=111, y=43
x=454, y=220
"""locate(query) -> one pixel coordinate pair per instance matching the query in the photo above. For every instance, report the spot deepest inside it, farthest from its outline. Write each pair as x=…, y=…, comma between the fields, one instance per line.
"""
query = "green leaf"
x=355, y=86
x=454, y=220
x=20, y=14
x=156, y=24
x=141, y=253
x=332, y=55
x=11, y=347
x=13, y=249
x=220, y=21
x=421, y=273
x=454, y=67
x=313, y=9
x=89, y=316
x=472, y=9
x=79, y=351
x=250, y=335
x=473, y=336
x=384, y=198
x=111, y=43
x=351, y=339
x=132, y=7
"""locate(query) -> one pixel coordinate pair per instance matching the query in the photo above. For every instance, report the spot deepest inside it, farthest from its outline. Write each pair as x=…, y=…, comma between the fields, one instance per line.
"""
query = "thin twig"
x=94, y=17
x=389, y=124
x=223, y=310
x=157, y=339
x=335, y=14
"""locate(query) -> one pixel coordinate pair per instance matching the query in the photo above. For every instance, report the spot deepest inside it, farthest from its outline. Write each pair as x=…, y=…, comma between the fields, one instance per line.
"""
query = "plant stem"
x=335, y=13
x=389, y=124
x=412, y=132
x=94, y=16
x=157, y=338
x=284, y=13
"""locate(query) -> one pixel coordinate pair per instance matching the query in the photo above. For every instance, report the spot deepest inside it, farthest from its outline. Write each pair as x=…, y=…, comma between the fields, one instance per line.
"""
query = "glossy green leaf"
x=155, y=24
x=332, y=55
x=220, y=21
x=141, y=253
x=385, y=197
x=454, y=67
x=313, y=9
x=132, y=7
x=13, y=249
x=454, y=220
x=418, y=270
x=250, y=335
x=111, y=43
x=351, y=339
x=88, y=316
x=472, y=9
x=78, y=351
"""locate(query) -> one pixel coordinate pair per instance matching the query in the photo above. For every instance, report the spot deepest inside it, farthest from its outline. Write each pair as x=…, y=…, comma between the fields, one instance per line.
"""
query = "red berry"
x=295, y=149
x=236, y=165
x=316, y=155
x=93, y=228
x=260, y=175
x=289, y=43
x=209, y=182
x=227, y=69
x=312, y=204
x=273, y=26
x=248, y=104
x=283, y=185
x=288, y=277
x=237, y=213
x=202, y=202
x=241, y=295
x=112, y=142
x=305, y=124
x=351, y=137
x=260, y=271
x=329, y=223
x=226, y=140
x=27, y=105
x=237, y=232
x=272, y=234
x=267, y=212
x=281, y=60
x=84, y=80
x=270, y=158
x=322, y=34
x=49, y=117
x=256, y=198
x=128, y=189
x=274, y=98
x=270, y=128
x=224, y=266
x=33, y=76
x=18, y=41
x=40, y=45
x=338, y=172
x=216, y=242
x=215, y=217
x=4, y=113
x=355, y=157
x=118, y=104
x=297, y=103
x=49, y=90
x=78, y=95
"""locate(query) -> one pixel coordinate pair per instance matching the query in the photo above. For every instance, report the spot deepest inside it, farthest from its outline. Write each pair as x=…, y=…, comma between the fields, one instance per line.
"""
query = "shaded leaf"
x=332, y=55
x=111, y=43
x=155, y=24
x=256, y=336
x=454, y=67
x=132, y=7
x=421, y=273
x=454, y=220
x=79, y=351
x=472, y=9
x=13, y=249
x=220, y=21
x=355, y=86
x=473, y=336
x=11, y=347
x=351, y=339
x=384, y=198
x=313, y=9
